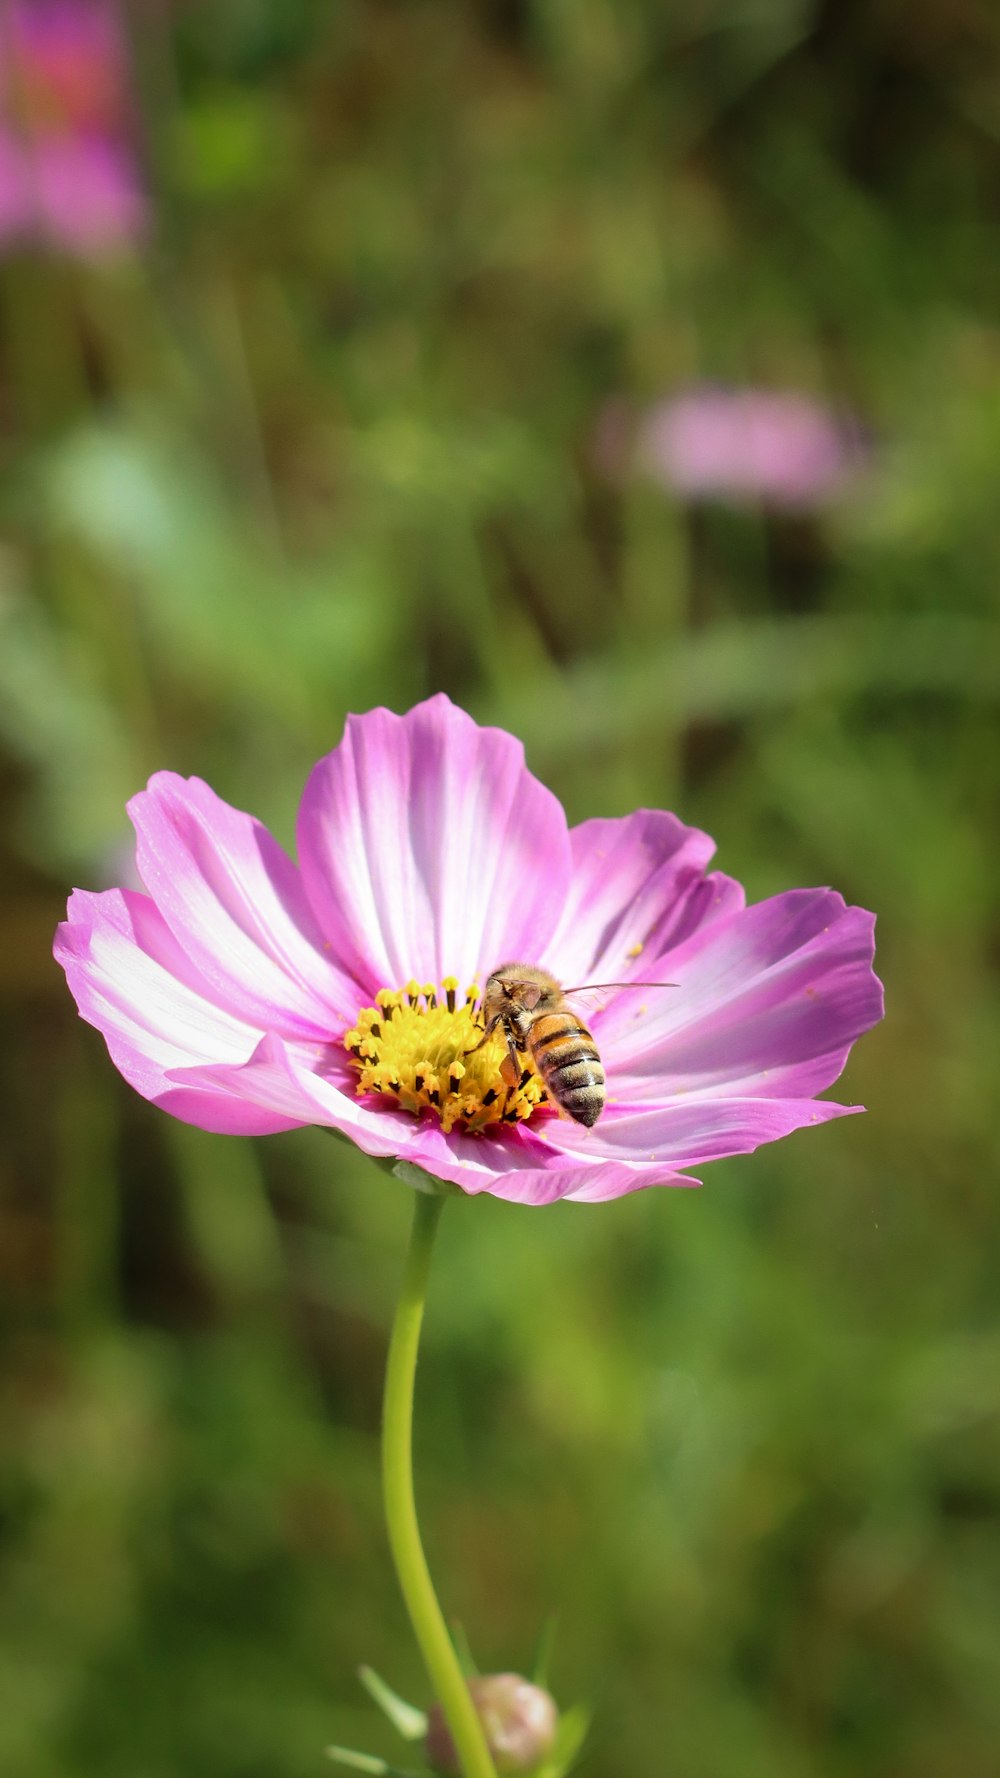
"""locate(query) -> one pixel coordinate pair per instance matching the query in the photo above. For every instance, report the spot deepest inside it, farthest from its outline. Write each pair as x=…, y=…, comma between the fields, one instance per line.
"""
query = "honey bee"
x=531, y=1009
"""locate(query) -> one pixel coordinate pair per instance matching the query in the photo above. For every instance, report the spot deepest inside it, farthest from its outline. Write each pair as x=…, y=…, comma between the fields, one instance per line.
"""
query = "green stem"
x=429, y=1626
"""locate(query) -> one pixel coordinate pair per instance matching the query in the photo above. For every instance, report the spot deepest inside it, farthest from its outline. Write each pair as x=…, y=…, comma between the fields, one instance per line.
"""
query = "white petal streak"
x=125, y=968
x=428, y=849
x=236, y=903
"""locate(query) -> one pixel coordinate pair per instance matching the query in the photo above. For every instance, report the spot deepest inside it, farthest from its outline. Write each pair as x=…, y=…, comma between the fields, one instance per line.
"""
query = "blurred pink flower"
x=777, y=447
x=68, y=170
x=247, y=994
x=15, y=202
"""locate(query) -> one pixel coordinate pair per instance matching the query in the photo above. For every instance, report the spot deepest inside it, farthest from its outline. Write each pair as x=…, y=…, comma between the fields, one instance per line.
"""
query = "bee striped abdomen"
x=567, y=1060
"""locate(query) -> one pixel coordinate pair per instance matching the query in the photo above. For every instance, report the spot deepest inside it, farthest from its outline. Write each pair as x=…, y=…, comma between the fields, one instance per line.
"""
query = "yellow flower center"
x=418, y=1047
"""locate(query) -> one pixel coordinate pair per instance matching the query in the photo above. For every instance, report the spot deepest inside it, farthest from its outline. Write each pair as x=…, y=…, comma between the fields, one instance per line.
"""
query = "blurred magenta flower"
x=778, y=447
x=246, y=994
x=68, y=170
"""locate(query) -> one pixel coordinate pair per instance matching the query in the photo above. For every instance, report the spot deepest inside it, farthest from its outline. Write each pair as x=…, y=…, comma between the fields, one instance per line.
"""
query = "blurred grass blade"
x=733, y=670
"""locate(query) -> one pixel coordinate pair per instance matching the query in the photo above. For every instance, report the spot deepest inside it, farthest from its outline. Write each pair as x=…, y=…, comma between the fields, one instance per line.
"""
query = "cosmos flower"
x=247, y=994
x=67, y=163
x=778, y=447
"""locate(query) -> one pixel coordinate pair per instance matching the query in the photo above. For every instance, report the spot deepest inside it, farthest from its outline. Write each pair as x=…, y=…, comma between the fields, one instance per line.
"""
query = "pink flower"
x=87, y=194
x=778, y=447
x=67, y=164
x=68, y=61
x=246, y=994
x=15, y=199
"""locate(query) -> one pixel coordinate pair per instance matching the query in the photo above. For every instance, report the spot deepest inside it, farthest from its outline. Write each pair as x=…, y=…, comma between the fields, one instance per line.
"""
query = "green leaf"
x=410, y=1722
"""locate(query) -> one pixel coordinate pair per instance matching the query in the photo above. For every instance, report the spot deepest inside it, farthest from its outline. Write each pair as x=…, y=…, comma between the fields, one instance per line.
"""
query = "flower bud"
x=519, y=1721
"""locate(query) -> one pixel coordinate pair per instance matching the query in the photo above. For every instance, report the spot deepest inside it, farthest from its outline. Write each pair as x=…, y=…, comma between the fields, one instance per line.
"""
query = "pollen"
x=417, y=1048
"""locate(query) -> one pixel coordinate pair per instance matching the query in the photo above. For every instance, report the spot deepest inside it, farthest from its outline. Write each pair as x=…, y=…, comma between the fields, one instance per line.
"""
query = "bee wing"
x=596, y=994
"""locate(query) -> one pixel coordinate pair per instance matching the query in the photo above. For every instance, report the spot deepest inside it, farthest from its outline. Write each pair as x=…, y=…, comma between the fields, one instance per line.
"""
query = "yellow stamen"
x=413, y=1047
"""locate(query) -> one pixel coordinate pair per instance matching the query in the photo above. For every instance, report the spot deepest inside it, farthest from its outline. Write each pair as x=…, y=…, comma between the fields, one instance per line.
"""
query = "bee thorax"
x=519, y=1023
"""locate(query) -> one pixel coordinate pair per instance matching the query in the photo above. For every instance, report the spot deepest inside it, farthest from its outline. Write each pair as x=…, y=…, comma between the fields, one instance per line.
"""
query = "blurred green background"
x=325, y=438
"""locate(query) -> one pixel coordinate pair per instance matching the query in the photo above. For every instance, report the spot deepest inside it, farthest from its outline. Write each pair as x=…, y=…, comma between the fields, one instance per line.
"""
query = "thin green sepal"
x=466, y=1658
x=368, y=1762
x=406, y=1719
x=574, y=1726
x=539, y=1669
x=422, y=1181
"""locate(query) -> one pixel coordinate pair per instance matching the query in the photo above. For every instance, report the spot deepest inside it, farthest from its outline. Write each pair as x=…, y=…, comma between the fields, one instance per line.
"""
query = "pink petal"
x=691, y=1132
x=130, y=979
x=236, y=904
x=428, y=849
x=638, y=886
x=526, y=1170
x=310, y=1084
x=316, y=1085
x=517, y=1164
x=769, y=1003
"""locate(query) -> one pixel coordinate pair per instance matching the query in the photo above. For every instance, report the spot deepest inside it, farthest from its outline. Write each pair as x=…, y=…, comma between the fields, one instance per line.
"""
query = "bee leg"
x=510, y=1067
x=487, y=1033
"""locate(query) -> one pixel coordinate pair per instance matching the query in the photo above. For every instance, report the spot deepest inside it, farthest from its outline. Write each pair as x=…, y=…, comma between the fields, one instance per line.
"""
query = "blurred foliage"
x=329, y=440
